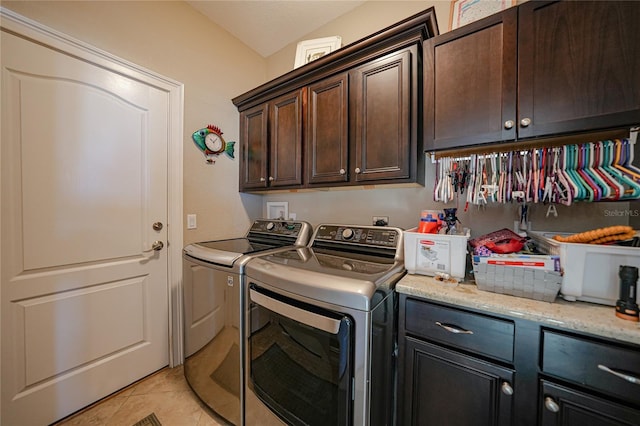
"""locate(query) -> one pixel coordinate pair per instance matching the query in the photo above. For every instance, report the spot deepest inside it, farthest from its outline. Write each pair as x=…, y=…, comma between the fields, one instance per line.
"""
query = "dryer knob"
x=347, y=234
x=270, y=226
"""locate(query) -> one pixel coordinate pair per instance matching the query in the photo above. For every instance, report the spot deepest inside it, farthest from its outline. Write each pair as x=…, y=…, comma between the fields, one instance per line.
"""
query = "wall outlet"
x=292, y=216
x=191, y=221
x=380, y=220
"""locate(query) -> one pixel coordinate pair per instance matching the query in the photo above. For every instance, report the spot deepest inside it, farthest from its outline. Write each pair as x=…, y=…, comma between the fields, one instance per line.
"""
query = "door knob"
x=525, y=122
x=157, y=245
x=157, y=226
x=508, y=124
x=357, y=170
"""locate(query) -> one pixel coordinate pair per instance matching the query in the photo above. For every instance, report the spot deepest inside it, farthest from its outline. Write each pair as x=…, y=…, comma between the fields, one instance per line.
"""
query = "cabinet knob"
x=508, y=124
x=270, y=178
x=358, y=170
x=525, y=122
x=342, y=171
x=551, y=405
x=506, y=389
x=262, y=179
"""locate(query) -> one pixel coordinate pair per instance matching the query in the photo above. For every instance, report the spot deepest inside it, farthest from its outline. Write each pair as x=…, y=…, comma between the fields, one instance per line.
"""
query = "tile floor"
x=165, y=393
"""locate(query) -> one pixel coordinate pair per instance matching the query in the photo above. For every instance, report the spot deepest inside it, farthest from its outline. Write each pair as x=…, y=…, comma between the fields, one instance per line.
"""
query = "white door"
x=83, y=179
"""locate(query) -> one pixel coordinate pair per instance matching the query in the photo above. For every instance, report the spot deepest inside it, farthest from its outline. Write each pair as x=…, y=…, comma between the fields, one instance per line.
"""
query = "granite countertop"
x=584, y=317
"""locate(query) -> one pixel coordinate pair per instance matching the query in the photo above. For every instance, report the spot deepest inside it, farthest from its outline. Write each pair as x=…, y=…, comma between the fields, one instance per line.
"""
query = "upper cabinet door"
x=254, y=140
x=470, y=83
x=286, y=140
x=579, y=66
x=383, y=102
x=327, y=127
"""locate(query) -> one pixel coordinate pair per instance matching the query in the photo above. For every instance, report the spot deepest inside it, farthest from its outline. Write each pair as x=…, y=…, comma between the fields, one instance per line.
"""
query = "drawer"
x=584, y=362
x=475, y=333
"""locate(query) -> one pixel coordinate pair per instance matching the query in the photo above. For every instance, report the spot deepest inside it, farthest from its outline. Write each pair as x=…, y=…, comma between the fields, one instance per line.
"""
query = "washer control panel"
x=280, y=227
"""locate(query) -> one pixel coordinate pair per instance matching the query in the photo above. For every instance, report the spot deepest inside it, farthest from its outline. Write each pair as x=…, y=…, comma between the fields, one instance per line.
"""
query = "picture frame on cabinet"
x=278, y=210
x=310, y=50
x=464, y=12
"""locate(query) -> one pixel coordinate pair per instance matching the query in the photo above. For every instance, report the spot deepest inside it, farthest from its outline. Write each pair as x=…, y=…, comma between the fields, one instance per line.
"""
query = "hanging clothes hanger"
x=582, y=170
x=564, y=192
x=631, y=188
x=623, y=149
x=617, y=190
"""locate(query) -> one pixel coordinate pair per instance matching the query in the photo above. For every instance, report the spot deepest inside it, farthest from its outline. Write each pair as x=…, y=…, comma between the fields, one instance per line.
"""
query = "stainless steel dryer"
x=213, y=278
x=320, y=329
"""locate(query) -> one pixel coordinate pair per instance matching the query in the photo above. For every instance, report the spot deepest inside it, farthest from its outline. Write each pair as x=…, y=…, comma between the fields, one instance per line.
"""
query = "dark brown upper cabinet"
x=383, y=110
x=542, y=69
x=352, y=117
x=271, y=143
x=327, y=131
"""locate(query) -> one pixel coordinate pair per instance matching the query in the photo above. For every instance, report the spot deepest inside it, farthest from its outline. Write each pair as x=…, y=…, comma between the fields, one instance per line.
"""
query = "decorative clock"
x=211, y=143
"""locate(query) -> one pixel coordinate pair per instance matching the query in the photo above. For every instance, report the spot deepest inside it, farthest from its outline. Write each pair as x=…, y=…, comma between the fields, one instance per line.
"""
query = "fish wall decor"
x=210, y=141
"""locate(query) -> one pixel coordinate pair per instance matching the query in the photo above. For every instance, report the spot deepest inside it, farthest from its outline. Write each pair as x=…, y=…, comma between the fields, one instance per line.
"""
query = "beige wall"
x=173, y=39
x=403, y=205
x=369, y=18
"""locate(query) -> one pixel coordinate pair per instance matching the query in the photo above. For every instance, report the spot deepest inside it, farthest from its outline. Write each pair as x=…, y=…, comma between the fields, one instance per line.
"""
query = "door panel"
x=286, y=140
x=474, y=83
x=62, y=182
x=205, y=303
x=253, y=167
x=327, y=136
x=578, y=66
x=116, y=305
x=383, y=107
x=84, y=177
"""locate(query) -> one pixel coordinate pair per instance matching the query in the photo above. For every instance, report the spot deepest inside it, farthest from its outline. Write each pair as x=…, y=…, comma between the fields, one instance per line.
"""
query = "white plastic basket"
x=590, y=270
x=532, y=283
x=430, y=254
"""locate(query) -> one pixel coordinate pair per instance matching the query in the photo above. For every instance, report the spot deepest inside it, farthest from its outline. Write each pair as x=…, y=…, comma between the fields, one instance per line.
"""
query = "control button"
x=270, y=226
x=347, y=234
x=347, y=266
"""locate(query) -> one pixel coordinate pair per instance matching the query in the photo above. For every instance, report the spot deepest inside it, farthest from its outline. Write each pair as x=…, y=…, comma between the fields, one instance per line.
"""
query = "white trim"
x=18, y=24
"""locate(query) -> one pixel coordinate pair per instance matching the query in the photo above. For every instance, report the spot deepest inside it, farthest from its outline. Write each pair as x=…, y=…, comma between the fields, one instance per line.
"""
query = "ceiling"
x=269, y=25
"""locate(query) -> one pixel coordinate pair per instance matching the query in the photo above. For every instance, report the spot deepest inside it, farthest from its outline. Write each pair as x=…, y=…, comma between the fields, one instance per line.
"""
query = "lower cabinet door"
x=447, y=388
x=559, y=405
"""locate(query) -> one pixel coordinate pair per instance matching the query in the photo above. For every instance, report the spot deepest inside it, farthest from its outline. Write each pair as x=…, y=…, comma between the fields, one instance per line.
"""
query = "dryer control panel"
x=366, y=236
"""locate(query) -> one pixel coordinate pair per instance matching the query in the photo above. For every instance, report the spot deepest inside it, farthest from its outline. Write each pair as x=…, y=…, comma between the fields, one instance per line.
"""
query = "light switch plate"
x=191, y=221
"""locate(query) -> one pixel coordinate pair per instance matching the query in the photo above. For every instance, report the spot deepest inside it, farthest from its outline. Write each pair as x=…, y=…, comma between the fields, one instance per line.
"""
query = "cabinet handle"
x=551, y=405
x=525, y=122
x=508, y=124
x=453, y=329
x=342, y=171
x=270, y=178
x=262, y=179
x=626, y=377
x=358, y=170
x=506, y=389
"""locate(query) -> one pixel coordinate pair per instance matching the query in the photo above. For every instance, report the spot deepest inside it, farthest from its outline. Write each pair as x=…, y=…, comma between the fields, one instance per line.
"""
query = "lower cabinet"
x=447, y=388
x=465, y=367
x=563, y=406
